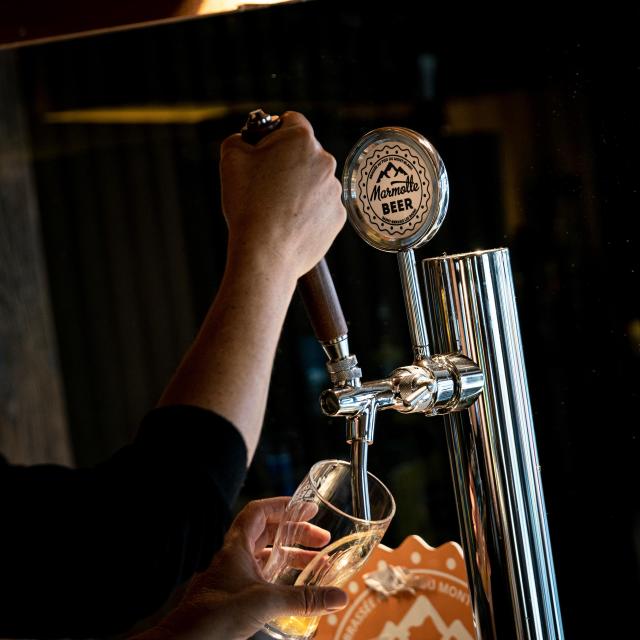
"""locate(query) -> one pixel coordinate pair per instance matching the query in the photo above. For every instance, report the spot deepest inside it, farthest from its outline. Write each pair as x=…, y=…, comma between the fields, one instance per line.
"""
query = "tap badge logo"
x=394, y=189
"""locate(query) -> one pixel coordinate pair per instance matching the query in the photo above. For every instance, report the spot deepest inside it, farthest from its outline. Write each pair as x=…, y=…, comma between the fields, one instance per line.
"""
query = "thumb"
x=278, y=600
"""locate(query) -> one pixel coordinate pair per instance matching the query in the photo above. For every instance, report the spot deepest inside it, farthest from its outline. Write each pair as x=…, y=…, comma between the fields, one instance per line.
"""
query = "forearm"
x=228, y=367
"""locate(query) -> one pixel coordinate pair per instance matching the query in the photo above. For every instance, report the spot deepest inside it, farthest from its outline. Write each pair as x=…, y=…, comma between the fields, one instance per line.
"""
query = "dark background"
x=535, y=115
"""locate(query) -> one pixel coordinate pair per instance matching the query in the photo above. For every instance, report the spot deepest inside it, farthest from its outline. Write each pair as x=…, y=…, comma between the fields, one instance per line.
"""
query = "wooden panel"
x=32, y=419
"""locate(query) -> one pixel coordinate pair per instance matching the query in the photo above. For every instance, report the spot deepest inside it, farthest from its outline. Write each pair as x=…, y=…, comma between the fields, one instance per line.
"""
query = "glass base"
x=306, y=628
x=273, y=632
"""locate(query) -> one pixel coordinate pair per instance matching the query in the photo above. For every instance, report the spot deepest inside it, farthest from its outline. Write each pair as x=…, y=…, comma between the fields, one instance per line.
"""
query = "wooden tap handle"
x=322, y=304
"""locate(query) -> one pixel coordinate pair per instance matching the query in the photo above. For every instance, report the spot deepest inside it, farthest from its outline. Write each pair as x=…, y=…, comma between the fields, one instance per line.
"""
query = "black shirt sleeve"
x=89, y=552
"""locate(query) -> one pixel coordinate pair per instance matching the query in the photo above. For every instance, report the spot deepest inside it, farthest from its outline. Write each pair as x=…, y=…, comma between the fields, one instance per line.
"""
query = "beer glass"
x=320, y=542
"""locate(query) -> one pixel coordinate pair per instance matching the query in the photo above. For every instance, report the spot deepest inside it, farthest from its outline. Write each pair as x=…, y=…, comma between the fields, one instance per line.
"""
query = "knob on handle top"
x=258, y=125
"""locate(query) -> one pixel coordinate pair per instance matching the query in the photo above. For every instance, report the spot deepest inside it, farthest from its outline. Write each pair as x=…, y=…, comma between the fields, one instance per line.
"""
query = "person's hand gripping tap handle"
x=315, y=285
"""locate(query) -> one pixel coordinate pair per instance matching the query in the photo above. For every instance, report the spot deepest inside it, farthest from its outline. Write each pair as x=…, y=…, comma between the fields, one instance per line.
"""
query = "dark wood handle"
x=316, y=287
x=321, y=301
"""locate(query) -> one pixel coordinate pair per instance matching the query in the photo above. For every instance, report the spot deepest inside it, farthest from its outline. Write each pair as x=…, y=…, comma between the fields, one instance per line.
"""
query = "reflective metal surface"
x=258, y=125
x=361, y=428
x=472, y=308
x=395, y=189
x=413, y=304
x=336, y=349
x=432, y=386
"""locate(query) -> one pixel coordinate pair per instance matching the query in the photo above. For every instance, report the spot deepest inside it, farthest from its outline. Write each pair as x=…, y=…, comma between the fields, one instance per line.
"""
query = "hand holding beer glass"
x=319, y=542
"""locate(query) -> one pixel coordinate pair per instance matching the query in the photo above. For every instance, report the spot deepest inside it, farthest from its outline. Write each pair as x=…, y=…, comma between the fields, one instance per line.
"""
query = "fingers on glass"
x=294, y=534
x=295, y=558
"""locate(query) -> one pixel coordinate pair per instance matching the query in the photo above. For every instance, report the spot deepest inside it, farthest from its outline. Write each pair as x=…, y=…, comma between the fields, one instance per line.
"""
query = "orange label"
x=430, y=598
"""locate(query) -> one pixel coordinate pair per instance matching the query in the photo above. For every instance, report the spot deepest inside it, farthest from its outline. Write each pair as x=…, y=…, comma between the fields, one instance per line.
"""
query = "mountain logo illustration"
x=395, y=189
x=391, y=167
x=422, y=610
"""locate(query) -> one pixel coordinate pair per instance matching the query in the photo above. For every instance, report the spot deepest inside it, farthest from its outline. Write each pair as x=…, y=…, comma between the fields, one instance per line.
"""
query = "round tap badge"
x=395, y=189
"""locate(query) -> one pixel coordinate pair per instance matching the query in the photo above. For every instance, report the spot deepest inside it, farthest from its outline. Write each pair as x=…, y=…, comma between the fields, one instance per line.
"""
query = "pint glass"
x=321, y=508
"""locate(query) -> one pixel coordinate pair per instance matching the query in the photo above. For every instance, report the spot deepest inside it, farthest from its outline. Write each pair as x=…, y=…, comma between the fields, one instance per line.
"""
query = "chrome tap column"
x=395, y=188
x=472, y=310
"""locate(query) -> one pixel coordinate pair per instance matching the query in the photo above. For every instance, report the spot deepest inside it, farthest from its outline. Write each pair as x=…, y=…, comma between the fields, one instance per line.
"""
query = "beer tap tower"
x=395, y=189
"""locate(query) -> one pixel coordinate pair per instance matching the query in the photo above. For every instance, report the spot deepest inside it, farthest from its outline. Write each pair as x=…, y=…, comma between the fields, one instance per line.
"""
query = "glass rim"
x=316, y=491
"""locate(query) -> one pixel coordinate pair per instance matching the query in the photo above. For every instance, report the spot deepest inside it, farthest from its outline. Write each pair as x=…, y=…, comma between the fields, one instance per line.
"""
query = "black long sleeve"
x=88, y=552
